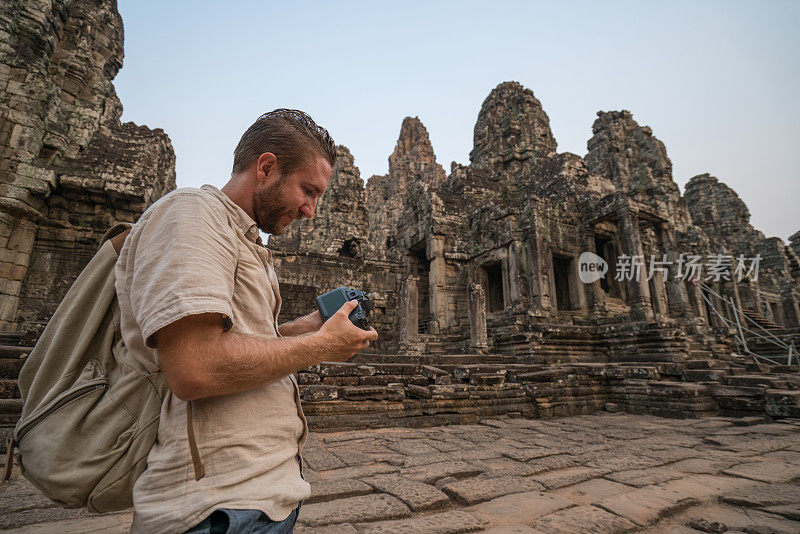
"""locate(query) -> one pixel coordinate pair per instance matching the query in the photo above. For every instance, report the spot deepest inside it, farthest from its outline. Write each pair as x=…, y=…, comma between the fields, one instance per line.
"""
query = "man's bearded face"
x=270, y=208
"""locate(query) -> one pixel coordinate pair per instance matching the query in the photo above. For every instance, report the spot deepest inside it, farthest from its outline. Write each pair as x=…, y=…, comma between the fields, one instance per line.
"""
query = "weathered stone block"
x=417, y=495
x=317, y=393
x=475, y=490
x=353, y=509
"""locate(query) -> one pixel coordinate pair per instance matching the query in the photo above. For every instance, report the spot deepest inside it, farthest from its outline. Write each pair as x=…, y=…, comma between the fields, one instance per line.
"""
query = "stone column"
x=17, y=237
x=540, y=288
x=700, y=308
x=595, y=296
x=409, y=312
x=676, y=289
x=638, y=290
x=658, y=295
x=514, y=293
x=477, y=317
x=437, y=283
x=730, y=290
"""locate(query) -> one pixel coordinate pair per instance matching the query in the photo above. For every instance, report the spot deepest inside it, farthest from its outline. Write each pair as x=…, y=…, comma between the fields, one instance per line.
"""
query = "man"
x=199, y=300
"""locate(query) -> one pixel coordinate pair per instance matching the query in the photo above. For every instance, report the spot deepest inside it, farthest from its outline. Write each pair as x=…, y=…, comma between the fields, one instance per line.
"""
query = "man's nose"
x=308, y=208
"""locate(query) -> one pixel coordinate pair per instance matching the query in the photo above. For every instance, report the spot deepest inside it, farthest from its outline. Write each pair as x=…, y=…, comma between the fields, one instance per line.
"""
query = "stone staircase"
x=12, y=356
x=442, y=344
x=760, y=319
x=645, y=343
x=636, y=368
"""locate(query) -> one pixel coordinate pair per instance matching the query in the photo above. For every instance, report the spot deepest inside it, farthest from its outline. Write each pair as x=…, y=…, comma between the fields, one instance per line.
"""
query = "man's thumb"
x=348, y=306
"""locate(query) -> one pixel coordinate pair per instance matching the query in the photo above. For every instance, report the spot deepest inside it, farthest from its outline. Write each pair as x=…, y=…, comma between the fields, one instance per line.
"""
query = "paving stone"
x=373, y=507
x=521, y=508
x=444, y=481
x=550, y=463
x=645, y=505
x=430, y=473
x=39, y=515
x=637, y=459
x=351, y=457
x=453, y=522
x=465, y=455
x=475, y=490
x=417, y=495
x=18, y=494
x=337, y=437
x=709, y=527
x=500, y=467
x=764, y=495
x=342, y=528
x=445, y=445
x=358, y=471
x=767, y=471
x=645, y=477
x=582, y=520
x=512, y=529
x=412, y=447
x=789, y=511
x=529, y=453
x=707, y=487
x=567, y=477
x=760, y=444
x=708, y=466
x=790, y=457
x=737, y=518
x=593, y=490
x=320, y=459
x=116, y=523
x=328, y=490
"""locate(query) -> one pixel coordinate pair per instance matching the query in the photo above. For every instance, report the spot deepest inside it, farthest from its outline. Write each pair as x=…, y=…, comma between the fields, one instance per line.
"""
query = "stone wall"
x=69, y=168
x=517, y=218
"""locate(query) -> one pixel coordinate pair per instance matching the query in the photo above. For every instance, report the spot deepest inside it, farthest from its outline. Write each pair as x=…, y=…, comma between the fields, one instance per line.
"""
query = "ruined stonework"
x=474, y=274
x=69, y=169
x=725, y=219
x=479, y=268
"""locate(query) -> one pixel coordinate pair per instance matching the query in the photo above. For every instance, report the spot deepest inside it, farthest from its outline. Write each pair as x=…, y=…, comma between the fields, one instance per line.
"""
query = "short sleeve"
x=181, y=262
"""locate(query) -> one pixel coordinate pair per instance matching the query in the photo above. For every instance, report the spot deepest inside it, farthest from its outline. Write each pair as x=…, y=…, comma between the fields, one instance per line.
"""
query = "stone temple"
x=475, y=274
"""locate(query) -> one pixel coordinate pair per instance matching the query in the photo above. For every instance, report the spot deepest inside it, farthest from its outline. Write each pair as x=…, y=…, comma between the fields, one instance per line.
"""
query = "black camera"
x=330, y=302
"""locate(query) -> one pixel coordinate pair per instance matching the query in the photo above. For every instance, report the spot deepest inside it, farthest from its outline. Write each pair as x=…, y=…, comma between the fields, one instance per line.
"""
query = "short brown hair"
x=290, y=134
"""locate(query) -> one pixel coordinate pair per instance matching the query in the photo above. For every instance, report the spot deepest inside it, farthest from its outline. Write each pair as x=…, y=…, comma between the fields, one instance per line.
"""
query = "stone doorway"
x=493, y=282
x=562, y=270
x=420, y=266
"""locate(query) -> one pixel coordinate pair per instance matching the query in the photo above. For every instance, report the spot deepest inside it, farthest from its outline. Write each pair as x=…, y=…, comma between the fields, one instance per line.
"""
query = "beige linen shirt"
x=195, y=251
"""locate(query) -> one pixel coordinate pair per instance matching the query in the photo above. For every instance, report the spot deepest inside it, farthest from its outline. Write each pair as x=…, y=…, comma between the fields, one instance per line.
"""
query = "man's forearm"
x=233, y=362
x=199, y=360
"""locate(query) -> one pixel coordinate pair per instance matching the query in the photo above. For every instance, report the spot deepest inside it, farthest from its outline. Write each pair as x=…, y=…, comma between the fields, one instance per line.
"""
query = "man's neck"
x=240, y=194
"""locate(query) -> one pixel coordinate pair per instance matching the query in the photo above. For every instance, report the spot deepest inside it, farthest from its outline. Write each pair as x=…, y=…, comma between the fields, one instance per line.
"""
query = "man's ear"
x=266, y=167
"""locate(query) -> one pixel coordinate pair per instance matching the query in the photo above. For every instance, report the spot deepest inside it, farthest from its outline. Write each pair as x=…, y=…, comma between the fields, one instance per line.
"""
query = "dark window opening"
x=600, y=244
x=494, y=287
x=350, y=249
x=561, y=272
x=48, y=153
x=710, y=315
x=776, y=313
x=420, y=266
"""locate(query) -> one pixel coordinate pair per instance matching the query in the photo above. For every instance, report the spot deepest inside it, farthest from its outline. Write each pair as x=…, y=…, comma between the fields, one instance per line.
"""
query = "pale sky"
x=716, y=81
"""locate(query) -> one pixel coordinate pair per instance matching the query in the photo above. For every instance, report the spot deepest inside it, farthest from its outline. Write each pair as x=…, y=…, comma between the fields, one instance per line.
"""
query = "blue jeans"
x=230, y=521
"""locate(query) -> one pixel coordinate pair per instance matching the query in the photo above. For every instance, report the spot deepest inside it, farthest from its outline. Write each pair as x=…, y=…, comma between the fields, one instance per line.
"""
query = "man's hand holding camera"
x=342, y=338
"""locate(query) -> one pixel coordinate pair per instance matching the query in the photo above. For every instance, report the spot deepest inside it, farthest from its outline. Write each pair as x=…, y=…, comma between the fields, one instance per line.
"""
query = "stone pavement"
x=592, y=473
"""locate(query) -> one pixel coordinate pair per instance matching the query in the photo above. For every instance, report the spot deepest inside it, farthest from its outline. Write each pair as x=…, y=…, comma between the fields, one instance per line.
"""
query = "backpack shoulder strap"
x=117, y=235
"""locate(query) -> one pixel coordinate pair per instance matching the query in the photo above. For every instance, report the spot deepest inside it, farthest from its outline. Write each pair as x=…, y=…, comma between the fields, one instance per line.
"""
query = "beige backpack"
x=90, y=414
